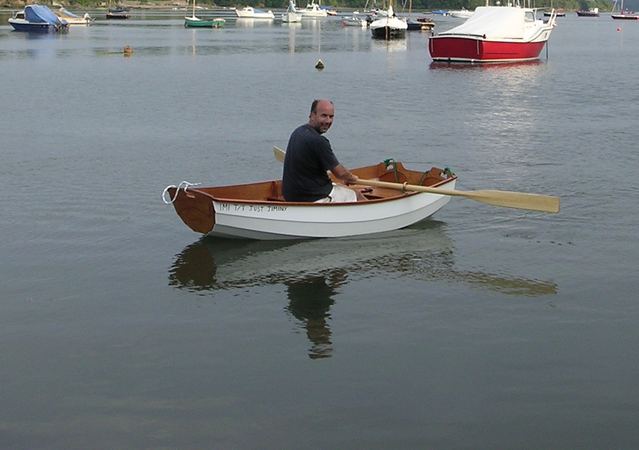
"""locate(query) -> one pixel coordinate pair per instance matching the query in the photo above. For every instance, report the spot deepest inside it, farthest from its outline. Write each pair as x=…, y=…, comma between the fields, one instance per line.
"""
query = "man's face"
x=322, y=118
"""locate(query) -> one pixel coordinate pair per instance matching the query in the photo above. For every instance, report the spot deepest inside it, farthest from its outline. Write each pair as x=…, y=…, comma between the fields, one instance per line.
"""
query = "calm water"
x=485, y=328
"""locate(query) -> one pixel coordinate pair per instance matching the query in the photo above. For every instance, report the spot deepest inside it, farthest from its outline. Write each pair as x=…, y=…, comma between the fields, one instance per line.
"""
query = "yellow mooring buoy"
x=127, y=50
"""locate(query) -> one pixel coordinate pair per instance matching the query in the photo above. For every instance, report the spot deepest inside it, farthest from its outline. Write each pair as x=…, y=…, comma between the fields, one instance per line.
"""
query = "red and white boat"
x=493, y=34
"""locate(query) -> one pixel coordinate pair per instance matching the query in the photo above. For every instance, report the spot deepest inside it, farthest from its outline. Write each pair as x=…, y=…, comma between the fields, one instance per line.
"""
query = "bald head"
x=321, y=117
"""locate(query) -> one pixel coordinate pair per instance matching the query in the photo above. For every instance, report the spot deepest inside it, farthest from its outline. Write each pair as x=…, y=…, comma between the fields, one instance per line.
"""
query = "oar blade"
x=279, y=153
x=518, y=200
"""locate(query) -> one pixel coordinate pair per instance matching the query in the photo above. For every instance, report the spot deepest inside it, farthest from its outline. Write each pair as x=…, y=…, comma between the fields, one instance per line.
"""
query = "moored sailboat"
x=622, y=13
x=389, y=27
x=198, y=22
x=291, y=15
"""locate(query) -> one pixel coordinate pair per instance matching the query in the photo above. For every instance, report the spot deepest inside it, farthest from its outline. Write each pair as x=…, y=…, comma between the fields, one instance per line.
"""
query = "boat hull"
x=388, y=32
x=464, y=49
x=79, y=21
x=625, y=16
x=116, y=14
x=273, y=222
x=31, y=27
x=587, y=14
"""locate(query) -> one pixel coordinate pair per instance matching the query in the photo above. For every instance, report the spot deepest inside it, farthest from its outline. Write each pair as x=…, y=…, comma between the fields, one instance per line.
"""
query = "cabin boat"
x=493, y=34
x=38, y=19
x=258, y=210
x=117, y=13
x=420, y=24
x=590, y=12
x=389, y=27
x=313, y=10
x=248, y=12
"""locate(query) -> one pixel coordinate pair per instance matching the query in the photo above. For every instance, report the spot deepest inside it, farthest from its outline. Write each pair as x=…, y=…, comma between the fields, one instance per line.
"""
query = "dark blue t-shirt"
x=308, y=156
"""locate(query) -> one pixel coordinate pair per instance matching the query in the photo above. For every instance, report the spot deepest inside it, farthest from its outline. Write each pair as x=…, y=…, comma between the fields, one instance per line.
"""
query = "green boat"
x=198, y=22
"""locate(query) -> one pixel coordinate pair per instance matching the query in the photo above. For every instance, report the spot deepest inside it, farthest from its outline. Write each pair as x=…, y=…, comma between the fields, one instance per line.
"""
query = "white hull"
x=461, y=13
x=272, y=222
x=77, y=21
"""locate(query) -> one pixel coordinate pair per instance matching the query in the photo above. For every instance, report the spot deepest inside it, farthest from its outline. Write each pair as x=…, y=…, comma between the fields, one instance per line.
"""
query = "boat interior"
x=388, y=171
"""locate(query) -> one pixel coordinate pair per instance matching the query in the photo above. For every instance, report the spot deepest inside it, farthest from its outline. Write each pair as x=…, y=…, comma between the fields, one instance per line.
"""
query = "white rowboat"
x=257, y=210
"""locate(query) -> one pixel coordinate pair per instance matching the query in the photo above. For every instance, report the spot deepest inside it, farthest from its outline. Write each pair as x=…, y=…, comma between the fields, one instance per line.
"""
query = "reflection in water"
x=310, y=300
x=390, y=45
x=292, y=30
x=314, y=270
x=509, y=67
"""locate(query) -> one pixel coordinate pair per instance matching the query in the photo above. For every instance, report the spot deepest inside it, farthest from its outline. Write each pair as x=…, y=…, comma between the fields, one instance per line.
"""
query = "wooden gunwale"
x=389, y=195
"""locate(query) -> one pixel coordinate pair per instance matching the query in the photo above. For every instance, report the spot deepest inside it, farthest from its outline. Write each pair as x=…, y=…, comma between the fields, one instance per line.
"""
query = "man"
x=309, y=155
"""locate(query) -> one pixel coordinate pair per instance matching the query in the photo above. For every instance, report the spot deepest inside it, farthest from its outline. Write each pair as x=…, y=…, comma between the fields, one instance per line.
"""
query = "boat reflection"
x=211, y=263
x=526, y=65
x=313, y=271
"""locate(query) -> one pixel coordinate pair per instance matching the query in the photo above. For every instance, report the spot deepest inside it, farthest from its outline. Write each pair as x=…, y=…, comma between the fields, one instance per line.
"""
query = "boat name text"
x=235, y=207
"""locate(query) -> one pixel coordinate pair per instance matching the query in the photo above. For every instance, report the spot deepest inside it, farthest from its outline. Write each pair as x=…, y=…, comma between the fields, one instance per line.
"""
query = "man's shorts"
x=339, y=194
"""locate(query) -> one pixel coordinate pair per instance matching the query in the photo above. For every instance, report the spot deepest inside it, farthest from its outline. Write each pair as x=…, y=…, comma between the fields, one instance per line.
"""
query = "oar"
x=507, y=199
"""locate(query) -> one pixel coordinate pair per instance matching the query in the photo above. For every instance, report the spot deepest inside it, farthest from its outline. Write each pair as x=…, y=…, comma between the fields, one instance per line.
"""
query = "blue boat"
x=39, y=19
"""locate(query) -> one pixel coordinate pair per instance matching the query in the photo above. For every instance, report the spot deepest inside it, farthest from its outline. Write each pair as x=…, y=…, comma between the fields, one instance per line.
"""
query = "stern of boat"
x=194, y=207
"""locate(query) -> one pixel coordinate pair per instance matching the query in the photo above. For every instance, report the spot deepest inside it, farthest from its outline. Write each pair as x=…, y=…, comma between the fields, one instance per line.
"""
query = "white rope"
x=184, y=185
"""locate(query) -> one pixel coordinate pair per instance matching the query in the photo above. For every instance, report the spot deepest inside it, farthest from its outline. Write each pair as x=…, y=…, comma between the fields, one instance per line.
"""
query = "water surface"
x=483, y=328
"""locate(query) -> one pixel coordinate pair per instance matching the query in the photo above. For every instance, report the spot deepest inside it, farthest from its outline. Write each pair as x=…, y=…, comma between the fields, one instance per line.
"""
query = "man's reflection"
x=310, y=301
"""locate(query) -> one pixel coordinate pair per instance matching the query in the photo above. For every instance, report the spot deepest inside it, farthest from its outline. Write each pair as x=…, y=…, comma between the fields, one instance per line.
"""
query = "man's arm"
x=344, y=174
